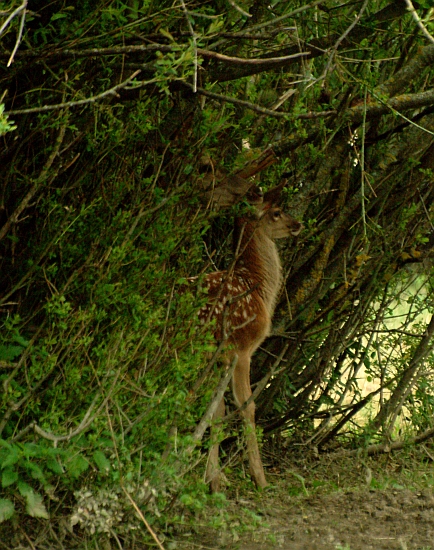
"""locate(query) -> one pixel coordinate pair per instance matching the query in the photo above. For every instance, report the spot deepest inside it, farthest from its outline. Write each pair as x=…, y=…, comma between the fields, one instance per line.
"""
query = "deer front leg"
x=212, y=475
x=242, y=391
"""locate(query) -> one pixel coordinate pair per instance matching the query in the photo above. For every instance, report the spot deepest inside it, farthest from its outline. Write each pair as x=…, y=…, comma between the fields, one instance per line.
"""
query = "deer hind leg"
x=213, y=475
x=242, y=391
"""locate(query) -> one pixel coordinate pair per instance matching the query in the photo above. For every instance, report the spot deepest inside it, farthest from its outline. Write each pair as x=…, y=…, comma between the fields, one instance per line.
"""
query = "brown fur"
x=242, y=301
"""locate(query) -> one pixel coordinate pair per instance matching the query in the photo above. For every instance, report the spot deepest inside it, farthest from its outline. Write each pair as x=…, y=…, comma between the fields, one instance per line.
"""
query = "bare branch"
x=258, y=108
x=256, y=61
x=342, y=38
x=387, y=447
x=209, y=413
x=68, y=104
x=281, y=18
x=237, y=7
x=193, y=35
x=12, y=15
x=89, y=416
x=395, y=104
x=419, y=21
x=142, y=517
x=409, y=376
x=20, y=32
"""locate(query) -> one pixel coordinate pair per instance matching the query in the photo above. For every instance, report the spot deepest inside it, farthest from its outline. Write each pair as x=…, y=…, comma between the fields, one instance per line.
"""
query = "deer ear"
x=255, y=195
x=229, y=190
x=273, y=196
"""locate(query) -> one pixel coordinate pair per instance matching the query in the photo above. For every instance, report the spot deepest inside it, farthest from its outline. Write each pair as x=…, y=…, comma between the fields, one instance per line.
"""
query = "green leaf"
x=101, y=461
x=8, y=353
x=35, y=471
x=9, y=476
x=54, y=466
x=77, y=465
x=59, y=16
x=12, y=458
x=35, y=506
x=167, y=34
x=20, y=340
x=215, y=26
x=24, y=488
x=7, y=509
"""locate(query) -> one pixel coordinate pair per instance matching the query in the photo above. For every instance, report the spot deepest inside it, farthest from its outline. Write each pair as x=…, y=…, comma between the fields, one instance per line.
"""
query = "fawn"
x=242, y=301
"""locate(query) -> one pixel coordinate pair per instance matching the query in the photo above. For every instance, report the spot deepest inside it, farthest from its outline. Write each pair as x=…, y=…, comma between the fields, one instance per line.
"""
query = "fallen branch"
x=387, y=447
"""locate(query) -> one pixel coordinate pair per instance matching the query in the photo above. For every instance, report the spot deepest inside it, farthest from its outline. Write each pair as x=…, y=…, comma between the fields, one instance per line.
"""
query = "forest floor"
x=313, y=502
x=371, y=503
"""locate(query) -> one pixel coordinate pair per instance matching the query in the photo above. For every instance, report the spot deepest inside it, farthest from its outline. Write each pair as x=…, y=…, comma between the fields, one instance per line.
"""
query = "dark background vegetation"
x=110, y=109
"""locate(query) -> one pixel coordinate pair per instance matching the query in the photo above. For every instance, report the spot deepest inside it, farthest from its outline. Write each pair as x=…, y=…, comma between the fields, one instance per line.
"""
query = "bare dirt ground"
x=374, y=504
x=377, y=520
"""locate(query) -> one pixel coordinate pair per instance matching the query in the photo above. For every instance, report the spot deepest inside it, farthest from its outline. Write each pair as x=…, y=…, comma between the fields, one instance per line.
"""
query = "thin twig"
x=237, y=7
x=362, y=168
x=20, y=33
x=118, y=542
x=12, y=15
x=418, y=20
x=209, y=413
x=342, y=37
x=88, y=417
x=428, y=218
x=93, y=99
x=142, y=517
x=193, y=35
x=276, y=20
x=13, y=218
x=258, y=108
x=255, y=61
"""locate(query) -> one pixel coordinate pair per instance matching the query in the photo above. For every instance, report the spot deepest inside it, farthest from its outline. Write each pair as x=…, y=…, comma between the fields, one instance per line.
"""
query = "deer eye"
x=277, y=214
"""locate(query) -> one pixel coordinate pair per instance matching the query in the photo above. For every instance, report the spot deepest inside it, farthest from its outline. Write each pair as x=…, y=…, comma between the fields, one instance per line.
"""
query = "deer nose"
x=297, y=230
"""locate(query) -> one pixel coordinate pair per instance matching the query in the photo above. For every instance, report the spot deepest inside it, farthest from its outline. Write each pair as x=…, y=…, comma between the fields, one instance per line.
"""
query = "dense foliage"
x=109, y=113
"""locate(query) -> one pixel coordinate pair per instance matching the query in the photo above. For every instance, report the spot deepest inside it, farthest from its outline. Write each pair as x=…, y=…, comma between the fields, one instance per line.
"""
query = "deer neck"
x=258, y=262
